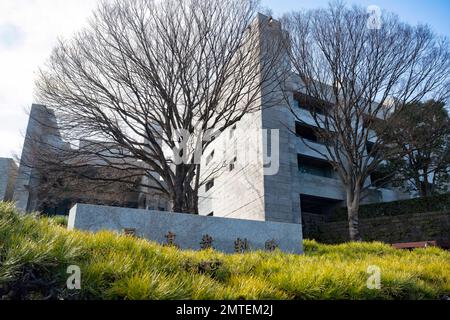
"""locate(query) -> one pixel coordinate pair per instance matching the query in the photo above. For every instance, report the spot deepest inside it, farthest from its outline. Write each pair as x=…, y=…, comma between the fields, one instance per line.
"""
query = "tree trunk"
x=184, y=197
x=425, y=189
x=178, y=201
x=196, y=187
x=353, y=223
x=178, y=195
x=353, y=198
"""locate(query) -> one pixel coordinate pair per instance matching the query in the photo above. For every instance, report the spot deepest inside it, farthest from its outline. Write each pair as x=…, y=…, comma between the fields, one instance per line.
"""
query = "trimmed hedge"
x=396, y=208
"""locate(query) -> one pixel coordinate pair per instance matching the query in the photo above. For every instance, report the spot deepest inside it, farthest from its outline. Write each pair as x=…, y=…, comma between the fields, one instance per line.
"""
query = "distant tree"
x=421, y=134
x=156, y=80
x=353, y=71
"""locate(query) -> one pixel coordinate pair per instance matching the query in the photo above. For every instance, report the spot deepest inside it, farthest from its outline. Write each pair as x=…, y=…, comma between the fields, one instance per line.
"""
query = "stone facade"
x=249, y=191
x=8, y=173
x=189, y=231
x=41, y=125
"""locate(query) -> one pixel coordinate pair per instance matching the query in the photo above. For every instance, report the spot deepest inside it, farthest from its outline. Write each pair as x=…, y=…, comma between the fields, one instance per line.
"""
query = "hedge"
x=395, y=208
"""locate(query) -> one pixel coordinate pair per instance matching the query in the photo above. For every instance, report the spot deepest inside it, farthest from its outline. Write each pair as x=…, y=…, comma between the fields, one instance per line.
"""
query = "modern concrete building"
x=8, y=173
x=305, y=182
x=42, y=128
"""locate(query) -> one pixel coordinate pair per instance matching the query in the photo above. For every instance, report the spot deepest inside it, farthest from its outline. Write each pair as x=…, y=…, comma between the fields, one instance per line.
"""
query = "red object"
x=414, y=245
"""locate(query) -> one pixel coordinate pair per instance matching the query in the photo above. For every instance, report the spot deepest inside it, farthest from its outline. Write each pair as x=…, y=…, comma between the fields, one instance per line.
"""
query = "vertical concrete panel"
x=8, y=173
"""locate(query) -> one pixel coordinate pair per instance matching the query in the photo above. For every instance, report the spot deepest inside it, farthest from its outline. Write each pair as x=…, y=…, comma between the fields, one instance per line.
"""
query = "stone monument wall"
x=189, y=231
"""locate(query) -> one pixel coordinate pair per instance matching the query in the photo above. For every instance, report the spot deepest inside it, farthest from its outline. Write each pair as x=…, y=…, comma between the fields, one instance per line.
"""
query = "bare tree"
x=58, y=190
x=352, y=73
x=156, y=80
x=56, y=175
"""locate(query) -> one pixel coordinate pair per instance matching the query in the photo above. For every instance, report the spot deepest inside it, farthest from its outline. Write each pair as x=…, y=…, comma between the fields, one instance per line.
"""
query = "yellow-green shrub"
x=35, y=253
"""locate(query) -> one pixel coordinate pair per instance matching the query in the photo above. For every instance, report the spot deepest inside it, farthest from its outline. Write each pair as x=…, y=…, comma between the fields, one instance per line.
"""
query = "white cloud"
x=28, y=32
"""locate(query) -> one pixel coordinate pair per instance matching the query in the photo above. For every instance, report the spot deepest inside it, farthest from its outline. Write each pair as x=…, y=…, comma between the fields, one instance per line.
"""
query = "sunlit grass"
x=35, y=253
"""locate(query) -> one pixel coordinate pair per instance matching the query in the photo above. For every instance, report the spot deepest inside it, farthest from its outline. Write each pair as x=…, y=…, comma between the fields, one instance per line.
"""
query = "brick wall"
x=401, y=228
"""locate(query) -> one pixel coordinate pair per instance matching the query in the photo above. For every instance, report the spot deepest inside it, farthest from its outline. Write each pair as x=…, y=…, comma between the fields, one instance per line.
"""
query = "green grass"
x=60, y=220
x=35, y=253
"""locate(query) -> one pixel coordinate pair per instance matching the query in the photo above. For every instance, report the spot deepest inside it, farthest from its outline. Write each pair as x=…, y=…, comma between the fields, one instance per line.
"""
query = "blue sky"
x=436, y=13
x=29, y=29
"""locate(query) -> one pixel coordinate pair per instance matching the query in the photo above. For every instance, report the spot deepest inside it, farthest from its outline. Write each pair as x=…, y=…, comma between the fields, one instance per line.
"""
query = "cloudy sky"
x=30, y=28
x=28, y=32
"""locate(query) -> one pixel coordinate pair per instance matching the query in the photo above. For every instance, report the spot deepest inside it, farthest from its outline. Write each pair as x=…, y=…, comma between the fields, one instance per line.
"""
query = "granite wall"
x=188, y=231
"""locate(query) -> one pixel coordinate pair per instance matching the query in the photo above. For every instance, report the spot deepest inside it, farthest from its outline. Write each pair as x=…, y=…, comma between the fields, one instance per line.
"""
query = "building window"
x=310, y=104
x=233, y=129
x=379, y=179
x=306, y=132
x=316, y=167
x=209, y=185
x=209, y=158
x=371, y=148
x=232, y=164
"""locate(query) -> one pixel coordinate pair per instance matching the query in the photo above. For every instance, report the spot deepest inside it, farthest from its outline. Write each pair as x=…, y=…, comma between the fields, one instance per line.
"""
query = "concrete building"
x=305, y=182
x=33, y=190
x=8, y=173
x=42, y=128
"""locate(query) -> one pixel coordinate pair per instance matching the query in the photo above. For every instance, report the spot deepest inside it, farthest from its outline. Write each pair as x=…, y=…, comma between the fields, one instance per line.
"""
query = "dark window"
x=211, y=214
x=379, y=179
x=209, y=158
x=369, y=146
x=232, y=164
x=308, y=103
x=316, y=167
x=306, y=132
x=372, y=150
x=209, y=185
x=317, y=205
x=233, y=129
